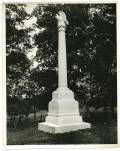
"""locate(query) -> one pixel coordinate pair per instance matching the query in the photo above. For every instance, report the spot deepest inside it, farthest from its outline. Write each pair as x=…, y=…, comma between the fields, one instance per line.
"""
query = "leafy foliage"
x=17, y=63
x=91, y=54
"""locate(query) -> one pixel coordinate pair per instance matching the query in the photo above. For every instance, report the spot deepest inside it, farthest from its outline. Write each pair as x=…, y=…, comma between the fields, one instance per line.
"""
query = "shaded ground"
x=103, y=131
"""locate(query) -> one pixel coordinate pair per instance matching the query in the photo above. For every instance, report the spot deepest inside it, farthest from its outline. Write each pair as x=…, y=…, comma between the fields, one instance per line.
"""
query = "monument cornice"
x=61, y=27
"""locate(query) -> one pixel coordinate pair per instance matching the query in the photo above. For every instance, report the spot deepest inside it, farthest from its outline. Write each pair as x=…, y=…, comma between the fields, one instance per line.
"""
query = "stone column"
x=62, y=63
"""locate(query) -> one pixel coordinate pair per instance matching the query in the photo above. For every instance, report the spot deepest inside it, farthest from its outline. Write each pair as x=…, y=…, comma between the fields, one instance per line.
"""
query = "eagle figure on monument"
x=61, y=17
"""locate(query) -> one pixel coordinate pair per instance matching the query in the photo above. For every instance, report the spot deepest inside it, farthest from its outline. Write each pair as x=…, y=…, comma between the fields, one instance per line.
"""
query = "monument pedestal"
x=63, y=115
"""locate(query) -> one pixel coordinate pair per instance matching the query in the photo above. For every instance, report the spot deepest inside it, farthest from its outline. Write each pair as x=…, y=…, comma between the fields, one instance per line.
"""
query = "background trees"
x=91, y=53
x=17, y=63
x=91, y=50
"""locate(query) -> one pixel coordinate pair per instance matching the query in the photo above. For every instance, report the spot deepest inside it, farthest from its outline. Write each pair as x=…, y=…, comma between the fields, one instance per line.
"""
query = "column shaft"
x=62, y=63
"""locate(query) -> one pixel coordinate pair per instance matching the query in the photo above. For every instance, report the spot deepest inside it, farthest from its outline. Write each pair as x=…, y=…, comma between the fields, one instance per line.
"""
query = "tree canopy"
x=91, y=52
x=17, y=47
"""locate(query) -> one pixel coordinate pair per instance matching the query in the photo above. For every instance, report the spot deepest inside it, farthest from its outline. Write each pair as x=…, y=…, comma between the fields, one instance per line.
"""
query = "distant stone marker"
x=63, y=115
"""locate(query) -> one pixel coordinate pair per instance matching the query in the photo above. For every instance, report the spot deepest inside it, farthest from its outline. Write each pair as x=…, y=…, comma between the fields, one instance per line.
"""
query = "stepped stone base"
x=54, y=129
x=63, y=114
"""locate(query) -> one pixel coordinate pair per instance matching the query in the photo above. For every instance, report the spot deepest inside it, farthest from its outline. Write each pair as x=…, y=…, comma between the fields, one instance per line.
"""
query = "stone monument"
x=63, y=110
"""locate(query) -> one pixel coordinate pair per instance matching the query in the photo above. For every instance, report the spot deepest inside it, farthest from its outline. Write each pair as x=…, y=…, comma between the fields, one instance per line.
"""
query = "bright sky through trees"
x=28, y=23
x=30, y=6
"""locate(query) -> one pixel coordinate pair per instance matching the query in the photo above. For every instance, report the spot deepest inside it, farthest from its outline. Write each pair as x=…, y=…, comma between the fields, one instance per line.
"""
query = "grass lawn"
x=103, y=131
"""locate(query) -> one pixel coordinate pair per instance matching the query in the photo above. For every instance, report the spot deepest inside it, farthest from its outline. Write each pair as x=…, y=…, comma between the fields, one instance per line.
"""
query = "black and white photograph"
x=60, y=62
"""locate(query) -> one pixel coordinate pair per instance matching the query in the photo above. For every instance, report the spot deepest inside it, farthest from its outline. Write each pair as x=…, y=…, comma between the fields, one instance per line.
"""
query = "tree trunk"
x=105, y=111
x=27, y=119
x=11, y=117
x=41, y=116
x=113, y=113
x=88, y=112
x=34, y=112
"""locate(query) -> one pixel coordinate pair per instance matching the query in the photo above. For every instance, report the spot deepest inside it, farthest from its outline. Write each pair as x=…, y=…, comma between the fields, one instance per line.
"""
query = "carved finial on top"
x=61, y=18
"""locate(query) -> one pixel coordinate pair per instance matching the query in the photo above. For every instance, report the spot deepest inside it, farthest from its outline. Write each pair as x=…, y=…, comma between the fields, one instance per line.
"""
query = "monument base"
x=63, y=115
x=54, y=129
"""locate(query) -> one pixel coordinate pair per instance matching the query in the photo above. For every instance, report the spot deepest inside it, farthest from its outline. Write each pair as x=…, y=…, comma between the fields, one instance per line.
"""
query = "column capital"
x=61, y=26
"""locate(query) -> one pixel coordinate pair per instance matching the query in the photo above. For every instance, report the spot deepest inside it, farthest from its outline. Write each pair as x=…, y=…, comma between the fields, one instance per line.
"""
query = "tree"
x=17, y=46
x=104, y=45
